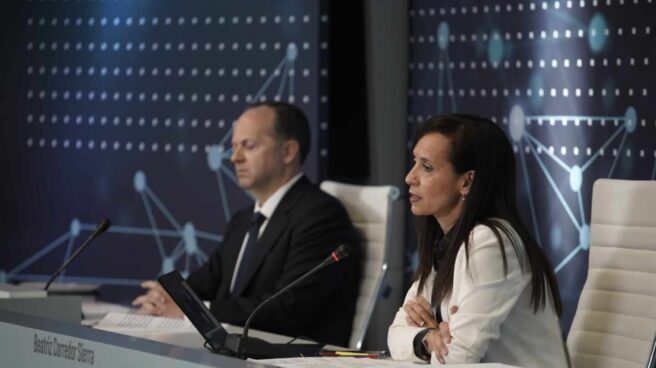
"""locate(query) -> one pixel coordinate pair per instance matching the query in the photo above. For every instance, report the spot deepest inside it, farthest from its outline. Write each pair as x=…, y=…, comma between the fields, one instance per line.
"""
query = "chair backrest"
x=615, y=319
x=370, y=210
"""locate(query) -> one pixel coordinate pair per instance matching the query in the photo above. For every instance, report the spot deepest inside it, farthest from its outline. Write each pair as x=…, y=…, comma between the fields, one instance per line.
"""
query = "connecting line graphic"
x=287, y=63
x=595, y=31
x=153, y=224
x=217, y=154
x=527, y=181
x=518, y=121
x=187, y=246
x=70, y=237
x=69, y=249
x=13, y=274
x=442, y=38
x=553, y=183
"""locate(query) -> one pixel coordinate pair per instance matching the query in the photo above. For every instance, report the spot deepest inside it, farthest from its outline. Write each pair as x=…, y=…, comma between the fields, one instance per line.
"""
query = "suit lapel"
x=275, y=227
x=231, y=247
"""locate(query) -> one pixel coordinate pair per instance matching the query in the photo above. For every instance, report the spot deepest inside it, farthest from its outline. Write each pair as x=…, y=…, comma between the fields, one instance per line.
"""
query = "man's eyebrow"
x=245, y=140
x=422, y=159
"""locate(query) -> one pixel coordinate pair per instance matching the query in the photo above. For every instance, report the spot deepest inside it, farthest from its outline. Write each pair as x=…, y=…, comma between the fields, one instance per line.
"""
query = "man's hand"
x=157, y=301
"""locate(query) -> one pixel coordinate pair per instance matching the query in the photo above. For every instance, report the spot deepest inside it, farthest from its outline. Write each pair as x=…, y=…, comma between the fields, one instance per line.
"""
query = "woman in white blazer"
x=484, y=290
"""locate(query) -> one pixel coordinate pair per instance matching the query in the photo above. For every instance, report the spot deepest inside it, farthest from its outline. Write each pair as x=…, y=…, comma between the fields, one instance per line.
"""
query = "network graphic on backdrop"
x=517, y=127
x=518, y=121
x=186, y=249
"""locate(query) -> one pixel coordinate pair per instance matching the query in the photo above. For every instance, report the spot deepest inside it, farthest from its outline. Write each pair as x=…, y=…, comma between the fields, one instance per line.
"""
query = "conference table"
x=31, y=341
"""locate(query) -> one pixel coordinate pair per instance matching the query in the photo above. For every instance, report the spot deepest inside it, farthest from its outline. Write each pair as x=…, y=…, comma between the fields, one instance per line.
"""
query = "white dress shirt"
x=495, y=321
x=267, y=209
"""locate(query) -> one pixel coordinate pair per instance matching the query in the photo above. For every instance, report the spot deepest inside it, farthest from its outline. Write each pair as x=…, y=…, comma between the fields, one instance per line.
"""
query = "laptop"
x=217, y=339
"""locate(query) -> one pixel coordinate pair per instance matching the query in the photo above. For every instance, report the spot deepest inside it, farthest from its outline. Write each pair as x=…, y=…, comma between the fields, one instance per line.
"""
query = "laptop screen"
x=193, y=308
x=216, y=336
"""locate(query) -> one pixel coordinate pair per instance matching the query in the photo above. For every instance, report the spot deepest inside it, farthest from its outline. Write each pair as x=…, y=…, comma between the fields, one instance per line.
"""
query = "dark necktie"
x=246, y=257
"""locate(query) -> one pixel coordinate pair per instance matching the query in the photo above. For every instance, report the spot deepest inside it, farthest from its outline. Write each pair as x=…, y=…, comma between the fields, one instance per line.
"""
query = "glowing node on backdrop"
x=584, y=237
x=75, y=227
x=495, y=48
x=556, y=236
x=292, y=52
x=215, y=157
x=575, y=178
x=597, y=33
x=189, y=236
x=278, y=76
x=517, y=123
x=139, y=181
x=442, y=36
x=631, y=118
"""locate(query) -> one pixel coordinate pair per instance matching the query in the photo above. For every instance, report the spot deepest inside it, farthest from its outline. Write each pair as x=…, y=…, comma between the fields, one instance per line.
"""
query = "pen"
x=351, y=354
x=355, y=354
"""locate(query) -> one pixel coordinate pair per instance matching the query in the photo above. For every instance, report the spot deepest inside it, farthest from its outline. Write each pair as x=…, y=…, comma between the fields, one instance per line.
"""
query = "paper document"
x=117, y=321
x=168, y=330
x=341, y=362
x=92, y=309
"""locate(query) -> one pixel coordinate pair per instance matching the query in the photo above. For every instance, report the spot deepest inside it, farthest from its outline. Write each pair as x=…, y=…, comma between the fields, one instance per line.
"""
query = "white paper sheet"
x=346, y=362
x=117, y=321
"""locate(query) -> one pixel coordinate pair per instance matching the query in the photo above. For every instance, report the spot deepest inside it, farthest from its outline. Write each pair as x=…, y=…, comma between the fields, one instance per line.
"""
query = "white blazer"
x=495, y=320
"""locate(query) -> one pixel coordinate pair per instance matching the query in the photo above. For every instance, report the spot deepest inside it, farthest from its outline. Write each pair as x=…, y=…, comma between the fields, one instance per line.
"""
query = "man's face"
x=257, y=154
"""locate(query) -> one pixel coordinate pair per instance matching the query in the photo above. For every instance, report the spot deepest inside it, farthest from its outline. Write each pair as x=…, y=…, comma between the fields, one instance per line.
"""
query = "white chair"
x=371, y=211
x=615, y=319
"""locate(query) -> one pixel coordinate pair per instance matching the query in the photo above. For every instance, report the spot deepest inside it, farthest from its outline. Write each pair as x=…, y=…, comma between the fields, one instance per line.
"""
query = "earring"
x=463, y=197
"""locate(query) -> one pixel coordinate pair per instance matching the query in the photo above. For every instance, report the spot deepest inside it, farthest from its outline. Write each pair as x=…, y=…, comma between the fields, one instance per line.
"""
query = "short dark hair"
x=290, y=123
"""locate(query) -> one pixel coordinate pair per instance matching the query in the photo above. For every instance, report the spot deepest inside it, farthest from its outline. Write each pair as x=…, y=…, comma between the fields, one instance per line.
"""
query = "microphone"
x=336, y=255
x=101, y=228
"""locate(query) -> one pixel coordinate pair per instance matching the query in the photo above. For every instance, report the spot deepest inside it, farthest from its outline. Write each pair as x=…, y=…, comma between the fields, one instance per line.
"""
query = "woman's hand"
x=419, y=313
x=436, y=340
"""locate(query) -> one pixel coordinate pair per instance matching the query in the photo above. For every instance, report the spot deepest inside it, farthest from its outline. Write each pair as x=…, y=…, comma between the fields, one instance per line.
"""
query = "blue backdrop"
x=124, y=109
x=571, y=82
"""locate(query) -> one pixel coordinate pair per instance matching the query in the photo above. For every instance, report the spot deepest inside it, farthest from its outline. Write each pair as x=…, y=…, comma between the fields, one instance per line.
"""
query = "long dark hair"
x=479, y=144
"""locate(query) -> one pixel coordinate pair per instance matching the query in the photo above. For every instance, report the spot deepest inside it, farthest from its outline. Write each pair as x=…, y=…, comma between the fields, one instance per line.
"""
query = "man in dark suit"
x=296, y=225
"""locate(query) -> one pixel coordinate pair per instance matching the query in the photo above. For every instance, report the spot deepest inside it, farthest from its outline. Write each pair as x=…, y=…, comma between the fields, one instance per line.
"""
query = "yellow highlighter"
x=356, y=354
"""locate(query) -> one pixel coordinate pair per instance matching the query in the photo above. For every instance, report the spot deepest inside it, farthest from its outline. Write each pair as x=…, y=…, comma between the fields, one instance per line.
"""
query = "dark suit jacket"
x=305, y=228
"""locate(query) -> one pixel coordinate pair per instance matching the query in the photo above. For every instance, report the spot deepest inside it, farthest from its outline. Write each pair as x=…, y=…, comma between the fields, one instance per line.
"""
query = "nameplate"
x=27, y=341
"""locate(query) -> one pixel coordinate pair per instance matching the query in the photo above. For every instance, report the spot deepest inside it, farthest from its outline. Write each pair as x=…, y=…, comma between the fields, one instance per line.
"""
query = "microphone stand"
x=245, y=345
x=101, y=228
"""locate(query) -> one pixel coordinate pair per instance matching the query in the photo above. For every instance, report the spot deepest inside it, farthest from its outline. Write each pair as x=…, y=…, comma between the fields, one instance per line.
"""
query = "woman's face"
x=435, y=188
